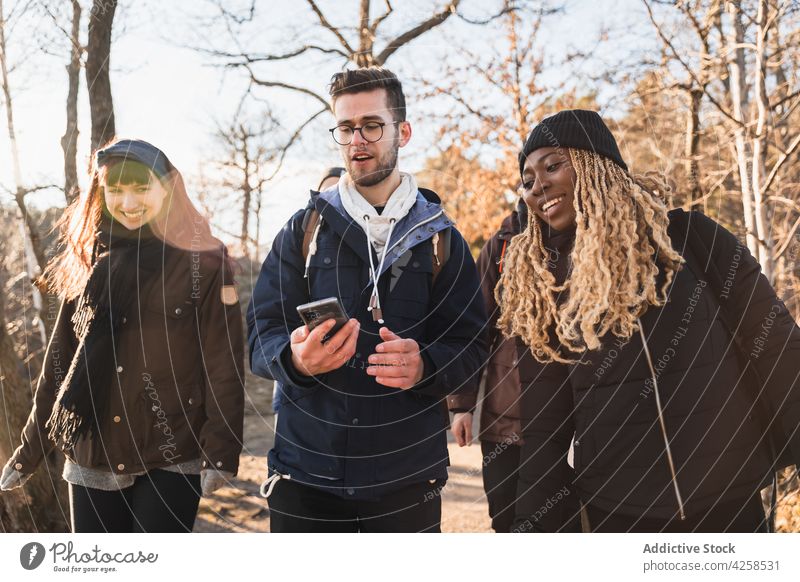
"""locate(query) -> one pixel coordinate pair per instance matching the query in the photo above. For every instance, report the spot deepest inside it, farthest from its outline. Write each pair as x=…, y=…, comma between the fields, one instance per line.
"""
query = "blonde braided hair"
x=620, y=241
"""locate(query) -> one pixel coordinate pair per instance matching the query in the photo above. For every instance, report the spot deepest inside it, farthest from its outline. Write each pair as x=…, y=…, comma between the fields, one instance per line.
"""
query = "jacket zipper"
x=662, y=424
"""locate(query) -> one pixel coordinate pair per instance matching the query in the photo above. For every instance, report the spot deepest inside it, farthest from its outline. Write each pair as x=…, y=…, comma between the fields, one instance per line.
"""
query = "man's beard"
x=386, y=166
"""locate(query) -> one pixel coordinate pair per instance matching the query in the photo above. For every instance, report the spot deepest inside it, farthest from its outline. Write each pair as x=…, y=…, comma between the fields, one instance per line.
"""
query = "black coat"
x=608, y=402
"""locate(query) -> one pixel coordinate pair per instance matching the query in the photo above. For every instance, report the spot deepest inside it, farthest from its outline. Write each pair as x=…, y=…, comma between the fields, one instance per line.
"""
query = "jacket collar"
x=422, y=222
x=514, y=223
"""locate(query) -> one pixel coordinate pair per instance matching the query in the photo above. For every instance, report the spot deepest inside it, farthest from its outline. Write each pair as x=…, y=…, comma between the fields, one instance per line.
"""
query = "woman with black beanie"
x=651, y=387
x=142, y=383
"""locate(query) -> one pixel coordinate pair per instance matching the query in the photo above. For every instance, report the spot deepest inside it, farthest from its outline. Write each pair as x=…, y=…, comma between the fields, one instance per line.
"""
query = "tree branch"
x=324, y=22
x=787, y=241
x=377, y=22
x=302, y=90
x=294, y=138
x=783, y=100
x=774, y=172
x=508, y=8
x=668, y=43
x=247, y=59
x=413, y=33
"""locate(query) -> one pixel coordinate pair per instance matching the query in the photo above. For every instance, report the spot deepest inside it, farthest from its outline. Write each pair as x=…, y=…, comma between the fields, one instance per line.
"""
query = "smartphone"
x=316, y=312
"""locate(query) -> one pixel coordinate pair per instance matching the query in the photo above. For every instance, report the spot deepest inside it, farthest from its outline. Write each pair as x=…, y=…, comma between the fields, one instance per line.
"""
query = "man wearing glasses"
x=360, y=443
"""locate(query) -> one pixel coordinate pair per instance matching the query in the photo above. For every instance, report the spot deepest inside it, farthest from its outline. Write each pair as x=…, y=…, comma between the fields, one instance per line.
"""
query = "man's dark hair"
x=370, y=79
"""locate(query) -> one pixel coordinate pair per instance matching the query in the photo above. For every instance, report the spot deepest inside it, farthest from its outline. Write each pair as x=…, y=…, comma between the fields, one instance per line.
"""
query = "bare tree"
x=69, y=141
x=66, y=28
x=33, y=246
x=361, y=41
x=750, y=97
x=247, y=165
x=98, y=57
x=494, y=100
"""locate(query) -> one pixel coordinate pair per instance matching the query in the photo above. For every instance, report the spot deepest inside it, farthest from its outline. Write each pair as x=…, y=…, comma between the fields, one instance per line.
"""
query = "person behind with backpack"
x=499, y=429
x=652, y=376
x=329, y=180
x=361, y=439
x=500, y=424
x=142, y=382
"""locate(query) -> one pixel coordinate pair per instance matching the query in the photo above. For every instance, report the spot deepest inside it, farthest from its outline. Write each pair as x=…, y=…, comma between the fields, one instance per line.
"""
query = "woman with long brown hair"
x=640, y=354
x=142, y=385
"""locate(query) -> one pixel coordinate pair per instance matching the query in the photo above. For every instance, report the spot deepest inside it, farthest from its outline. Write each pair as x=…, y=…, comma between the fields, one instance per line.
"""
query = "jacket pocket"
x=411, y=274
x=409, y=442
x=621, y=428
x=308, y=437
x=169, y=338
x=173, y=419
x=334, y=272
x=406, y=317
x=171, y=397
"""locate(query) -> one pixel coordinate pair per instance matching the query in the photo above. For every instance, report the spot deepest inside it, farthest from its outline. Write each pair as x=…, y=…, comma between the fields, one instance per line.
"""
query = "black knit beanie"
x=574, y=128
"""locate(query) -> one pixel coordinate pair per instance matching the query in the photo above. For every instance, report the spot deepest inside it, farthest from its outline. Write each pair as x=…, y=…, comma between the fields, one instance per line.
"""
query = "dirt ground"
x=239, y=507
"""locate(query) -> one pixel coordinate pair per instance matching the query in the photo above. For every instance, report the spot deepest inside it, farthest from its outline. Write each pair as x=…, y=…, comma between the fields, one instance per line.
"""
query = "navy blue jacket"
x=343, y=431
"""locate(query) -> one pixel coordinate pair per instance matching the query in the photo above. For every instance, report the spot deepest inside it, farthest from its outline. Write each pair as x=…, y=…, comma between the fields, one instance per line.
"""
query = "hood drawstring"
x=267, y=486
x=662, y=423
x=375, y=298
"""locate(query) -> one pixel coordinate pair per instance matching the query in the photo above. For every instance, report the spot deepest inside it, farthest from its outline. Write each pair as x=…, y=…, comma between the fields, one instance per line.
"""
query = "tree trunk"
x=69, y=142
x=246, y=202
x=738, y=91
x=34, y=253
x=257, y=239
x=98, y=54
x=765, y=245
x=365, y=38
x=692, y=166
x=41, y=505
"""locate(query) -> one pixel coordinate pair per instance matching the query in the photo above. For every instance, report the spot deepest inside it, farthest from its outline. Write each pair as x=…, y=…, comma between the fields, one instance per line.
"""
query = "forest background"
x=704, y=93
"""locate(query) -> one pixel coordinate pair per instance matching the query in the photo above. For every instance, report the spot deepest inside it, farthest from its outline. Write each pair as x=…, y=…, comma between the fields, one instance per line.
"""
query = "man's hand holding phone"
x=311, y=357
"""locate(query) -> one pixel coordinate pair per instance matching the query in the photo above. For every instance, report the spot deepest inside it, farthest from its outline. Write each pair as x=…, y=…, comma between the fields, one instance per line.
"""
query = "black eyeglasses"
x=371, y=131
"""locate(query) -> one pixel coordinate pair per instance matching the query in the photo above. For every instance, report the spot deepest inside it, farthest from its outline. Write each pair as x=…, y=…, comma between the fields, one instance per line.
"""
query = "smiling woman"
x=631, y=363
x=147, y=295
x=548, y=182
x=132, y=194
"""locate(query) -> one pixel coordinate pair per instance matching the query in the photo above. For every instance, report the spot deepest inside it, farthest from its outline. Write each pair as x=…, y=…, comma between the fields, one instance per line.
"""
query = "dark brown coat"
x=180, y=389
x=500, y=412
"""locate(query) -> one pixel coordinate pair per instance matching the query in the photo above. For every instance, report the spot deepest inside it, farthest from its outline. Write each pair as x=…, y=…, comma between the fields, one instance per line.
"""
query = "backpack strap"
x=310, y=222
x=502, y=256
x=441, y=251
x=440, y=248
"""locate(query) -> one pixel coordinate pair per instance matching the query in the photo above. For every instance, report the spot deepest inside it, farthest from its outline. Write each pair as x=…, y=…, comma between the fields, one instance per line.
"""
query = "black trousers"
x=158, y=501
x=737, y=516
x=297, y=508
x=500, y=470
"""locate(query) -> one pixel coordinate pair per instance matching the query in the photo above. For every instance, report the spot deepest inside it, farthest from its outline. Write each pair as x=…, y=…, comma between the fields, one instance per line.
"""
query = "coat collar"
x=422, y=222
x=514, y=223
